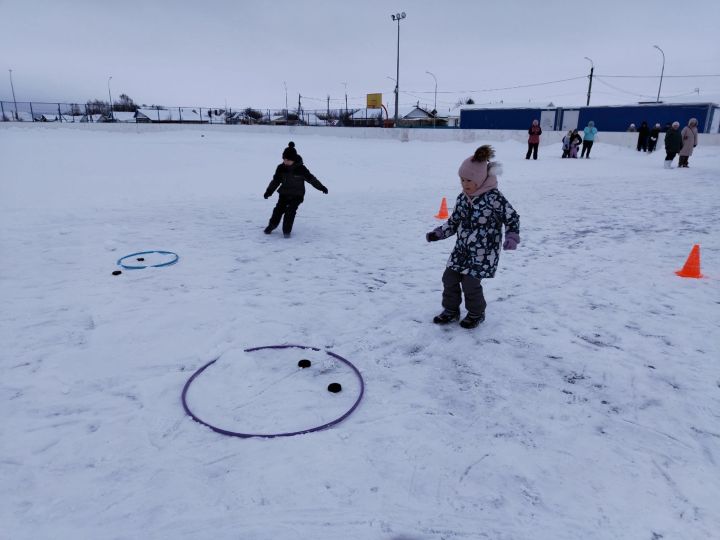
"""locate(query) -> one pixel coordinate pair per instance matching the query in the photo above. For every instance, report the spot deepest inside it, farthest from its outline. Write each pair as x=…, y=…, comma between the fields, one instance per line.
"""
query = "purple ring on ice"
x=273, y=435
x=128, y=267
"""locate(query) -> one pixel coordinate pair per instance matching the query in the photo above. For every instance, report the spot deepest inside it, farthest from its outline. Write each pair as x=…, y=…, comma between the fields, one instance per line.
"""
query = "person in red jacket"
x=534, y=139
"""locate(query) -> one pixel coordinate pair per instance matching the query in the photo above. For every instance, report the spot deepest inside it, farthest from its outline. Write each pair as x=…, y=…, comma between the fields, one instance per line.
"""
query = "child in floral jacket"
x=479, y=214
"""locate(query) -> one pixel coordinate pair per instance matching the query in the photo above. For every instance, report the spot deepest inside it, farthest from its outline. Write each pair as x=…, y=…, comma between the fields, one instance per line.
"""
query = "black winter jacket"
x=291, y=181
x=673, y=141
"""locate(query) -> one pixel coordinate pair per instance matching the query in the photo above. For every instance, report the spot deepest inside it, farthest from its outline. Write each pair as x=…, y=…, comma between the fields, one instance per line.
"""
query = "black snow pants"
x=587, y=145
x=471, y=286
x=287, y=207
x=532, y=147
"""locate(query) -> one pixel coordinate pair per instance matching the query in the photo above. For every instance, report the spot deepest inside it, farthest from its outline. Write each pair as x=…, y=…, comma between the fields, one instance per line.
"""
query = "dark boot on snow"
x=472, y=321
x=446, y=317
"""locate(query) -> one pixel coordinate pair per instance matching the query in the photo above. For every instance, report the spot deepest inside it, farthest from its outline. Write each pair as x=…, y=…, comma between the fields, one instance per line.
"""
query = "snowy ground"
x=586, y=406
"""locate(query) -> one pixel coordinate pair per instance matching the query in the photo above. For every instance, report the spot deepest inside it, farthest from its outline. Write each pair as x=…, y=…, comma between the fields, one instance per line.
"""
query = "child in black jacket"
x=290, y=176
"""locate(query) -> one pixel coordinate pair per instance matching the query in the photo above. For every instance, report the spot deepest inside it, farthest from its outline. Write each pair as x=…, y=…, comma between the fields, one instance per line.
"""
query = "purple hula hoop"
x=272, y=435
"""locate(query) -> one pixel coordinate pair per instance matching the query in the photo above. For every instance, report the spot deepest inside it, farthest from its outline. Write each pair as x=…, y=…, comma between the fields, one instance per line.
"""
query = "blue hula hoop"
x=129, y=267
x=273, y=435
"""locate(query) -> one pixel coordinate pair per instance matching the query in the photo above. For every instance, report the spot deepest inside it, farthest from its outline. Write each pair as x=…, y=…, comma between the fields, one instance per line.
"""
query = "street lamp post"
x=435, y=102
x=397, y=17
x=592, y=68
x=13, y=93
x=661, y=72
x=112, y=116
x=434, y=77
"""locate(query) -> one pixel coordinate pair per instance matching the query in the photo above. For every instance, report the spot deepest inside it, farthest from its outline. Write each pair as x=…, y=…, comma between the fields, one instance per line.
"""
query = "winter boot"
x=471, y=320
x=268, y=229
x=446, y=317
x=286, y=235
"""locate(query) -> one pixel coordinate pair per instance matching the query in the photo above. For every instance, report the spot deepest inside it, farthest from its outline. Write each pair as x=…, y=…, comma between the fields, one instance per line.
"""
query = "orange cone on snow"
x=692, y=265
x=443, y=213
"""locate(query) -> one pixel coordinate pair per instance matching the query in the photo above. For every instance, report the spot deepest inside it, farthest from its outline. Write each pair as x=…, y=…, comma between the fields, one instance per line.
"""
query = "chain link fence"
x=33, y=111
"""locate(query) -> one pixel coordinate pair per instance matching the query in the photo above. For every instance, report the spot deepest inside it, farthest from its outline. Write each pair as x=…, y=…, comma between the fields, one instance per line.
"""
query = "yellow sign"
x=374, y=101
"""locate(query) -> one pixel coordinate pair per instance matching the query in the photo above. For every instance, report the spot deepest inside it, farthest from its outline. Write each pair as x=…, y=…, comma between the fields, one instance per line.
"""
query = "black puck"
x=304, y=363
x=117, y=273
x=334, y=387
x=141, y=258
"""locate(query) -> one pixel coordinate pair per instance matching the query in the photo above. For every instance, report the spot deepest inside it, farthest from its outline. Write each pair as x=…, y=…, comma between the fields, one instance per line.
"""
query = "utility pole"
x=13, y=93
x=592, y=68
x=112, y=116
x=397, y=17
x=346, y=107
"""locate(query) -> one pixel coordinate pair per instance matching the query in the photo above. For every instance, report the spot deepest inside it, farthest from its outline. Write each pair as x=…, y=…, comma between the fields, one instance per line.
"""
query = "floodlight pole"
x=592, y=68
x=397, y=17
x=662, y=72
x=13, y=93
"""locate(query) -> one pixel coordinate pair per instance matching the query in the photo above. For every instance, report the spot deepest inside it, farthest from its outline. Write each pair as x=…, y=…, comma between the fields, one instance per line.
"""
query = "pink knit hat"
x=477, y=172
x=473, y=170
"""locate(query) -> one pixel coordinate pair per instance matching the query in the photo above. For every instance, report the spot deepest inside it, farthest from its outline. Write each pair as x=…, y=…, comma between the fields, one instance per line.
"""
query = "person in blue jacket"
x=588, y=138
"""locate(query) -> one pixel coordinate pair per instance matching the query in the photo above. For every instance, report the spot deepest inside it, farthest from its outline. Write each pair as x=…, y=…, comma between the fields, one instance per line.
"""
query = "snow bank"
x=628, y=140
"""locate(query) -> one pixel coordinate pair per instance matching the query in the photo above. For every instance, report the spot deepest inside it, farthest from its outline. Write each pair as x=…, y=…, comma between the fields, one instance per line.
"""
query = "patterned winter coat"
x=478, y=225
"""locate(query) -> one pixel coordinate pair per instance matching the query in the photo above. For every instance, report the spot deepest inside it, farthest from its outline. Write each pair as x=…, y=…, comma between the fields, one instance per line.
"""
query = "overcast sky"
x=207, y=53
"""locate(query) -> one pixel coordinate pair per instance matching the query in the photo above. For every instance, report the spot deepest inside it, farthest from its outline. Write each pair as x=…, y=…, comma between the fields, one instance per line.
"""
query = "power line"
x=621, y=90
x=498, y=89
x=658, y=76
x=645, y=95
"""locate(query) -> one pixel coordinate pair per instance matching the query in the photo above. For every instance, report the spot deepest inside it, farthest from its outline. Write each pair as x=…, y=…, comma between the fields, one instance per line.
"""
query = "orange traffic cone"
x=443, y=213
x=692, y=265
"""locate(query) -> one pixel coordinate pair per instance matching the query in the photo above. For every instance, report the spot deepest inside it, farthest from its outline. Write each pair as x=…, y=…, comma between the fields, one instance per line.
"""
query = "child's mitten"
x=511, y=240
x=432, y=236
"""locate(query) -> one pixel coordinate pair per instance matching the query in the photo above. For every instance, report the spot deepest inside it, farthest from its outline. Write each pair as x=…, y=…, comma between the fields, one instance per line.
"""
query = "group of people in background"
x=676, y=142
x=647, y=138
x=571, y=141
x=680, y=142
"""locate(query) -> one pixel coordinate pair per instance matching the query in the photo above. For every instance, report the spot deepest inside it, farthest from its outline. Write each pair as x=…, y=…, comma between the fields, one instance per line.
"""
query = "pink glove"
x=511, y=240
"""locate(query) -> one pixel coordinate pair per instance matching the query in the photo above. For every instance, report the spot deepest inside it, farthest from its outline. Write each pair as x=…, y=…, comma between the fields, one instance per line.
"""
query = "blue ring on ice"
x=273, y=435
x=134, y=267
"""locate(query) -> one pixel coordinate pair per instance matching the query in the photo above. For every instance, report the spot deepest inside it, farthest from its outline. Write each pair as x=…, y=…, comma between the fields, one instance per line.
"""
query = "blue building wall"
x=498, y=118
x=609, y=118
x=620, y=118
